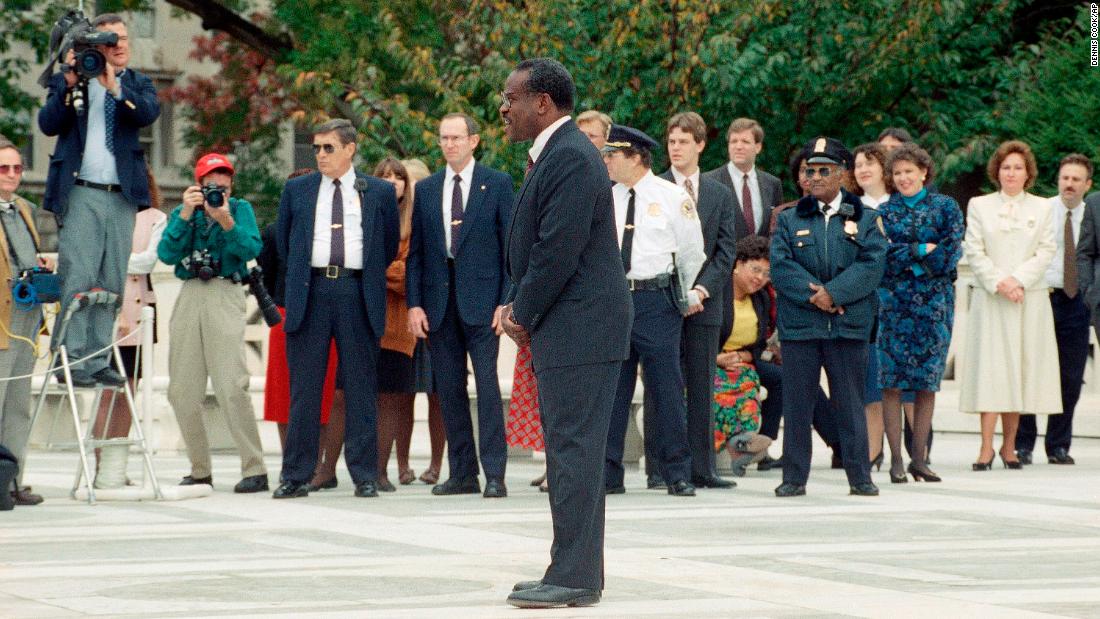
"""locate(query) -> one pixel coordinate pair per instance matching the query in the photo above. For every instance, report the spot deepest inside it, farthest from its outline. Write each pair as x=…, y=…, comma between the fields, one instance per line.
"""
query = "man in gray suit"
x=755, y=192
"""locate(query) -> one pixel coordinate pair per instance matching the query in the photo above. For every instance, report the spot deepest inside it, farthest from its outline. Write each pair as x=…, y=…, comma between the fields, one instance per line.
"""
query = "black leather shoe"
x=495, y=489
x=366, y=489
x=1059, y=456
x=385, y=485
x=108, y=376
x=197, y=481
x=553, y=596
x=769, y=464
x=328, y=484
x=681, y=488
x=253, y=483
x=614, y=490
x=655, y=482
x=291, y=490
x=453, y=485
x=524, y=585
x=790, y=489
x=713, y=481
x=80, y=379
x=864, y=489
x=1024, y=456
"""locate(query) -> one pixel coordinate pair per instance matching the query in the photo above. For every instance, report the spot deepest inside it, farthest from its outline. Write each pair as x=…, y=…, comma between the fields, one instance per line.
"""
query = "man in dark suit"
x=95, y=187
x=686, y=138
x=755, y=192
x=456, y=285
x=337, y=232
x=569, y=301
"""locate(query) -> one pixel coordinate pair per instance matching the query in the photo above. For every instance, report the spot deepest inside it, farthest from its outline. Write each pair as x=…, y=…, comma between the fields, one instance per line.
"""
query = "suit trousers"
x=207, y=340
x=845, y=363
x=1071, y=331
x=334, y=311
x=450, y=343
x=655, y=344
x=93, y=252
x=771, y=412
x=575, y=409
x=15, y=395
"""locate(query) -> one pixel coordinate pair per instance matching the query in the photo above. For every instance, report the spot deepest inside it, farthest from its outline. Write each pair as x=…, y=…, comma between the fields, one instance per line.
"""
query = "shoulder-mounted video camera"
x=74, y=32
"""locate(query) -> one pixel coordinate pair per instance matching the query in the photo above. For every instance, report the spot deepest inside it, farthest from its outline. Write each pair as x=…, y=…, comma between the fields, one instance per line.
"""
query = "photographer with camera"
x=97, y=181
x=19, y=321
x=210, y=238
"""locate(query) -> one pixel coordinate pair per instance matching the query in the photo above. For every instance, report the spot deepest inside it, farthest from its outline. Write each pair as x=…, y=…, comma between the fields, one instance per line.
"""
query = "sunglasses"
x=822, y=172
x=16, y=169
x=328, y=148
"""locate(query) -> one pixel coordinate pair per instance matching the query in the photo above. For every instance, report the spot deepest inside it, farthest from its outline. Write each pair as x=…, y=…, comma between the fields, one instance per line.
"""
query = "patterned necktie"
x=1069, y=284
x=336, y=249
x=690, y=189
x=530, y=164
x=746, y=204
x=456, y=214
x=628, y=233
x=109, y=119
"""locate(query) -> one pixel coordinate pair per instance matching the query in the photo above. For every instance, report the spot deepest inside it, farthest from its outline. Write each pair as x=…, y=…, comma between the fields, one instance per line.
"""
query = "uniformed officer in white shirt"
x=661, y=243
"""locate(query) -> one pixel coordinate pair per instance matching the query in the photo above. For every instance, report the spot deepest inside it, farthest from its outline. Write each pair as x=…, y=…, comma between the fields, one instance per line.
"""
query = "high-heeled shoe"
x=925, y=475
x=983, y=466
x=406, y=476
x=897, y=474
x=877, y=460
x=538, y=480
x=1010, y=464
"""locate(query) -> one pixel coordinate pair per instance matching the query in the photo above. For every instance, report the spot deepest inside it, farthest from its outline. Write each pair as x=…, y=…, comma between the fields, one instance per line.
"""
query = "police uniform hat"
x=827, y=150
x=621, y=136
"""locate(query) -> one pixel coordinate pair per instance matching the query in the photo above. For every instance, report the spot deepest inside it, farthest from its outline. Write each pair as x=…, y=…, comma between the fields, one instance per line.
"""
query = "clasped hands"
x=823, y=300
x=1011, y=289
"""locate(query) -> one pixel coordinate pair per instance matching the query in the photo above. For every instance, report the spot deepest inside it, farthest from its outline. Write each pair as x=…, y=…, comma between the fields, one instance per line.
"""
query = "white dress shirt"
x=544, y=136
x=665, y=222
x=98, y=164
x=831, y=208
x=1059, y=211
x=467, y=176
x=680, y=178
x=754, y=188
x=353, y=223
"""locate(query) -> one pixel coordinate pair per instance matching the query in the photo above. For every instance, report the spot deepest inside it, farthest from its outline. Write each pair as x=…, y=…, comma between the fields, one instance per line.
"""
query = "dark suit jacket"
x=294, y=239
x=1088, y=255
x=771, y=194
x=139, y=108
x=716, y=216
x=480, y=282
x=569, y=288
x=761, y=304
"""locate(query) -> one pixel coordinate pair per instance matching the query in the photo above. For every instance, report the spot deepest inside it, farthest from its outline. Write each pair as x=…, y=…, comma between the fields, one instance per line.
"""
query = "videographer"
x=210, y=238
x=96, y=185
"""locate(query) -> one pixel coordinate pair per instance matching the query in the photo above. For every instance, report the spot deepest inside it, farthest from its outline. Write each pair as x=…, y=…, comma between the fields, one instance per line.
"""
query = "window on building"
x=158, y=139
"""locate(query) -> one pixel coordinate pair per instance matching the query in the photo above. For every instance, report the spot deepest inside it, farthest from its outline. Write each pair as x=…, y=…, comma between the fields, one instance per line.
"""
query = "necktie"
x=530, y=164
x=746, y=204
x=1069, y=284
x=109, y=120
x=456, y=214
x=336, y=249
x=690, y=189
x=628, y=233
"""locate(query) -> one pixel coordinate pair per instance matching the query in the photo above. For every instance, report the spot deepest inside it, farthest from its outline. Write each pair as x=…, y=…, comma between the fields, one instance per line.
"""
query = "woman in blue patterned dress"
x=925, y=231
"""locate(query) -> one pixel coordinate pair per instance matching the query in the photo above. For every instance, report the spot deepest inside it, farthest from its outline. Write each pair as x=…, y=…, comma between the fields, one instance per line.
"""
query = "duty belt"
x=657, y=283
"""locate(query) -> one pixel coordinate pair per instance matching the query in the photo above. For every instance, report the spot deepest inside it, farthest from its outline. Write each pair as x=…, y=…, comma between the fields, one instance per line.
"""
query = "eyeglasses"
x=759, y=271
x=822, y=172
x=328, y=148
x=16, y=169
x=508, y=98
x=452, y=139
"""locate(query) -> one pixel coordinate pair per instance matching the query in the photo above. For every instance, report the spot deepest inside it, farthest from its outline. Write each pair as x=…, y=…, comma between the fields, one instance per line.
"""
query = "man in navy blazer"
x=96, y=184
x=337, y=231
x=456, y=284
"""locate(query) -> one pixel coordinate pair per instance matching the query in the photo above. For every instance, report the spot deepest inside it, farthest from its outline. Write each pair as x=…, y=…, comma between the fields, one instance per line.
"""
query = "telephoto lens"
x=267, y=305
x=214, y=195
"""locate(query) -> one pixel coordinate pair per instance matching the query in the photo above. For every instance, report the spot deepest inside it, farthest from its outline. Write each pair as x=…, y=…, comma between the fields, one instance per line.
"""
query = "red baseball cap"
x=210, y=162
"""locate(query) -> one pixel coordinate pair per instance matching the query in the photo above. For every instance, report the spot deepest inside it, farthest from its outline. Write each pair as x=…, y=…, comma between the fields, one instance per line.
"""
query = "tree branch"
x=215, y=16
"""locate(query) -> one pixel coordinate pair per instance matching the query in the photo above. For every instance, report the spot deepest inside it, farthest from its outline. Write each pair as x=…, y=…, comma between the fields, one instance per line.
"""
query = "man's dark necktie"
x=628, y=233
x=456, y=214
x=746, y=205
x=1069, y=283
x=336, y=250
x=109, y=120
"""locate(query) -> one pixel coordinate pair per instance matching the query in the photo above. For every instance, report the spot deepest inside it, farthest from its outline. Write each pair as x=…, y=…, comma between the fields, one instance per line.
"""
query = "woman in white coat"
x=1010, y=362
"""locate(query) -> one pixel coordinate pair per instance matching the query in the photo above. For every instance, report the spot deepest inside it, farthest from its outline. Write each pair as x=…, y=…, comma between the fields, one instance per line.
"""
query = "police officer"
x=827, y=256
x=661, y=244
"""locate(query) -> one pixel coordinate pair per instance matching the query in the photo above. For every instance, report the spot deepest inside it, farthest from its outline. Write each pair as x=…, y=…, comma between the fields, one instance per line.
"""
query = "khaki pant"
x=207, y=339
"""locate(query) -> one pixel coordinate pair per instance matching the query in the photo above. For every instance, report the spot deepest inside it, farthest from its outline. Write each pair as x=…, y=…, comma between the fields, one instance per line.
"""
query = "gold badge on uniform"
x=654, y=210
x=805, y=232
x=688, y=209
x=851, y=228
x=881, y=228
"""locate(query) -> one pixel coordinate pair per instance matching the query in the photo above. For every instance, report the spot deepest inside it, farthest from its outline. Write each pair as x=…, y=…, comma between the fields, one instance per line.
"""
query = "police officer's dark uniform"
x=840, y=245
x=658, y=230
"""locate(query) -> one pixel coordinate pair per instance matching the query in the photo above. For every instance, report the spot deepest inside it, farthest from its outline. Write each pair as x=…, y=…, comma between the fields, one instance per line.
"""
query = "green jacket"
x=233, y=248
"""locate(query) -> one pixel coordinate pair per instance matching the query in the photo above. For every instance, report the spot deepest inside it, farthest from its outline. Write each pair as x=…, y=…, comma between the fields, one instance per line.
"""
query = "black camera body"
x=90, y=63
x=74, y=32
x=213, y=194
x=202, y=265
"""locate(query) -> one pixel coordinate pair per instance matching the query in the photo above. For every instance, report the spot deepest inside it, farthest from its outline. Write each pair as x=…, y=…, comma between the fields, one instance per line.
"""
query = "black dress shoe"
x=366, y=489
x=385, y=485
x=1059, y=456
x=495, y=489
x=1024, y=456
x=328, y=484
x=614, y=490
x=864, y=489
x=681, y=488
x=712, y=482
x=108, y=376
x=197, y=481
x=769, y=463
x=790, y=489
x=553, y=596
x=655, y=482
x=80, y=379
x=253, y=483
x=291, y=490
x=454, y=485
x=524, y=585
